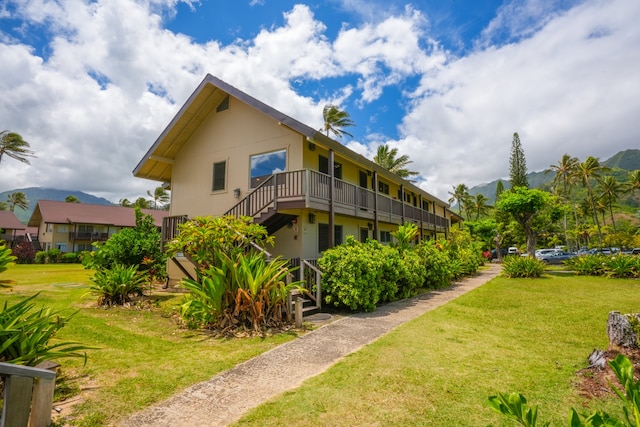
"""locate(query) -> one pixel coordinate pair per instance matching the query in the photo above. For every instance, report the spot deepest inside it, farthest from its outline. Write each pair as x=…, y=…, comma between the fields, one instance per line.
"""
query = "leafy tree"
x=71, y=199
x=159, y=195
x=14, y=146
x=17, y=199
x=126, y=203
x=460, y=194
x=335, y=120
x=524, y=205
x=611, y=190
x=142, y=203
x=517, y=164
x=499, y=189
x=4, y=206
x=386, y=158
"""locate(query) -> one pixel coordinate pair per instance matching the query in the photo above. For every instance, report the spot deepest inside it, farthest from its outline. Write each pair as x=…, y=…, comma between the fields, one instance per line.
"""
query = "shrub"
x=118, y=285
x=591, y=265
x=6, y=258
x=411, y=274
x=623, y=266
x=25, y=253
x=139, y=246
x=514, y=266
x=26, y=334
x=437, y=264
x=354, y=275
x=70, y=258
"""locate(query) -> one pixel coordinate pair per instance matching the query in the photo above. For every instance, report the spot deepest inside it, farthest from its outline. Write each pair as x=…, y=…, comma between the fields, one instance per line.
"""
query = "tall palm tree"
x=564, y=171
x=126, y=203
x=460, y=194
x=386, y=158
x=335, y=120
x=14, y=146
x=159, y=195
x=587, y=171
x=634, y=181
x=142, y=203
x=479, y=205
x=611, y=190
x=17, y=199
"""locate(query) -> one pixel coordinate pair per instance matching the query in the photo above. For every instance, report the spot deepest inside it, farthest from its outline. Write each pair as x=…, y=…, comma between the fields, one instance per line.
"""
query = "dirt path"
x=227, y=396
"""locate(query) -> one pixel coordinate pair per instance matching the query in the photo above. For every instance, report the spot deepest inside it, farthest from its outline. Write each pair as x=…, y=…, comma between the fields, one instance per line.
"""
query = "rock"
x=597, y=359
x=620, y=331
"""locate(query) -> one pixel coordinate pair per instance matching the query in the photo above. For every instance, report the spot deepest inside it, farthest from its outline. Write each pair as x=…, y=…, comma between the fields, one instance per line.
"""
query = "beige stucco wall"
x=231, y=135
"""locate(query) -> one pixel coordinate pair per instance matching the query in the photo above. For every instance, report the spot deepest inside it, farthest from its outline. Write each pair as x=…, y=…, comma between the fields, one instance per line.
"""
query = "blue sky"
x=91, y=84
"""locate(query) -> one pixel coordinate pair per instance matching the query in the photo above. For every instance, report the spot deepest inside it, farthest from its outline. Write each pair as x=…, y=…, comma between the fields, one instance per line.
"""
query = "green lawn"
x=529, y=336
x=144, y=355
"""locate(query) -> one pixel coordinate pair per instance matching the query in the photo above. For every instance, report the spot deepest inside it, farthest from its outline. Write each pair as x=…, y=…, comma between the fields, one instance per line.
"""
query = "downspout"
x=402, y=201
x=332, y=178
x=375, y=205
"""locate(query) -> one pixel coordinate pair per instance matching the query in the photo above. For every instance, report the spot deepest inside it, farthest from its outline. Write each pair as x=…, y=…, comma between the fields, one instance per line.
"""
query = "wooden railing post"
x=23, y=402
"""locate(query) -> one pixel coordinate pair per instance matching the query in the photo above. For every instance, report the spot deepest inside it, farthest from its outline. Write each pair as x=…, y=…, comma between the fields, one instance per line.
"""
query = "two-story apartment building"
x=73, y=227
x=226, y=152
x=10, y=227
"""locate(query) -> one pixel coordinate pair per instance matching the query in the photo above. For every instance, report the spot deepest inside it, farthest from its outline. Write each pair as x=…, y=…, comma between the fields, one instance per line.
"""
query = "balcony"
x=88, y=236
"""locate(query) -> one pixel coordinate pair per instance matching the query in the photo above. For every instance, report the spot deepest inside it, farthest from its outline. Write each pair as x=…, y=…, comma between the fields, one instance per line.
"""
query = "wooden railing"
x=28, y=396
x=309, y=184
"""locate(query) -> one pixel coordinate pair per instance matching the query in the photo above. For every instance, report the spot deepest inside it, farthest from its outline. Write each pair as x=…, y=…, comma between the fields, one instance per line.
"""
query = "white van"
x=512, y=250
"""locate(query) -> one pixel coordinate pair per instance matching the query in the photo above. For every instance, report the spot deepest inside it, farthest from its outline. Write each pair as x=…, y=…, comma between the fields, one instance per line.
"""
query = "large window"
x=323, y=236
x=219, y=176
x=265, y=165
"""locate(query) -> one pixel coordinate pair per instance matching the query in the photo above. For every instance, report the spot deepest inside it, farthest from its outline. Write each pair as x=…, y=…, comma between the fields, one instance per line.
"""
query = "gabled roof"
x=157, y=163
x=54, y=212
x=9, y=221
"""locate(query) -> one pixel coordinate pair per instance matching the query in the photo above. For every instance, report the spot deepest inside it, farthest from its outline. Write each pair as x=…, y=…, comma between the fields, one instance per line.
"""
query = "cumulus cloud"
x=110, y=76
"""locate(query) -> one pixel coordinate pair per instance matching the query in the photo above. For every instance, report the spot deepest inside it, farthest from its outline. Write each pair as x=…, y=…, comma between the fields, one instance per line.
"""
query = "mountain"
x=38, y=193
x=620, y=163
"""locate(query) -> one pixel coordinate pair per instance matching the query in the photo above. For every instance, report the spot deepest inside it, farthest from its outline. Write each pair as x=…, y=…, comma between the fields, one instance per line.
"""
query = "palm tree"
x=17, y=199
x=142, y=203
x=14, y=146
x=388, y=160
x=159, y=195
x=125, y=203
x=586, y=171
x=460, y=195
x=4, y=206
x=479, y=205
x=634, y=181
x=611, y=192
x=335, y=120
x=564, y=171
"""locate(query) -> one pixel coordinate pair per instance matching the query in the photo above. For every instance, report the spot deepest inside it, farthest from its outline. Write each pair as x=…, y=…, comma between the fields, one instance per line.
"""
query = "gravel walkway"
x=227, y=396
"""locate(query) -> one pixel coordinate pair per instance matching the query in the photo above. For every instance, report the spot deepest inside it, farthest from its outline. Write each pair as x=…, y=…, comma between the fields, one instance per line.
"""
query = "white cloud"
x=113, y=77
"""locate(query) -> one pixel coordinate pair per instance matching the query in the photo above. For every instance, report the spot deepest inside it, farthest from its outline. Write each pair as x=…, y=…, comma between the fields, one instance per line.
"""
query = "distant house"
x=227, y=153
x=73, y=227
x=10, y=227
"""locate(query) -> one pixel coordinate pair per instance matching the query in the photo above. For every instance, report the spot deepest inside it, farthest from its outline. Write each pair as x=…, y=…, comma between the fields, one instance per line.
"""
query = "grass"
x=143, y=355
x=528, y=335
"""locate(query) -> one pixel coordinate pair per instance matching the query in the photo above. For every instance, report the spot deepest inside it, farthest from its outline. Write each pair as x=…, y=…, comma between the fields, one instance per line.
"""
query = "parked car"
x=635, y=251
x=556, y=258
x=544, y=252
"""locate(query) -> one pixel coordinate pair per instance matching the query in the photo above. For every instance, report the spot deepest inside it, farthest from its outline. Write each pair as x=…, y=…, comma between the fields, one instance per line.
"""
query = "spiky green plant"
x=6, y=260
x=118, y=285
x=27, y=334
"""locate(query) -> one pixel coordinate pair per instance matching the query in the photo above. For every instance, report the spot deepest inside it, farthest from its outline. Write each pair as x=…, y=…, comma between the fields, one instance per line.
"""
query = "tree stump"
x=620, y=331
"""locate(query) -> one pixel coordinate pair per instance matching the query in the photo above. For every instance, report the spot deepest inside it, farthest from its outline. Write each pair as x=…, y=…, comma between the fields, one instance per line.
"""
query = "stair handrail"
x=251, y=193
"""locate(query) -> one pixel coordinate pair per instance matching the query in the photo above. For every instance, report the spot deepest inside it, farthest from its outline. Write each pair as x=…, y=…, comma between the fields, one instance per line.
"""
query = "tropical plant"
x=7, y=259
x=335, y=120
x=71, y=199
x=460, y=195
x=387, y=158
x=125, y=203
x=142, y=203
x=26, y=334
x=514, y=267
x=14, y=146
x=242, y=290
x=479, y=204
x=587, y=171
x=633, y=184
x=515, y=407
x=437, y=264
x=589, y=265
x=17, y=199
x=159, y=195
x=611, y=190
x=117, y=285
x=517, y=164
x=24, y=252
x=405, y=235
x=564, y=172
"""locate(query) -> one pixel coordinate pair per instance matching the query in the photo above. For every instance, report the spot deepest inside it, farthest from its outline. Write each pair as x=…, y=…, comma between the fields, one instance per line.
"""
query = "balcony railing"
x=313, y=189
x=89, y=236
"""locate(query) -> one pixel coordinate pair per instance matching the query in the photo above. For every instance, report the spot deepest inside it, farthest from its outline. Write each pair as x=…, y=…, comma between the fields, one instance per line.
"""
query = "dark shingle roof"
x=54, y=212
